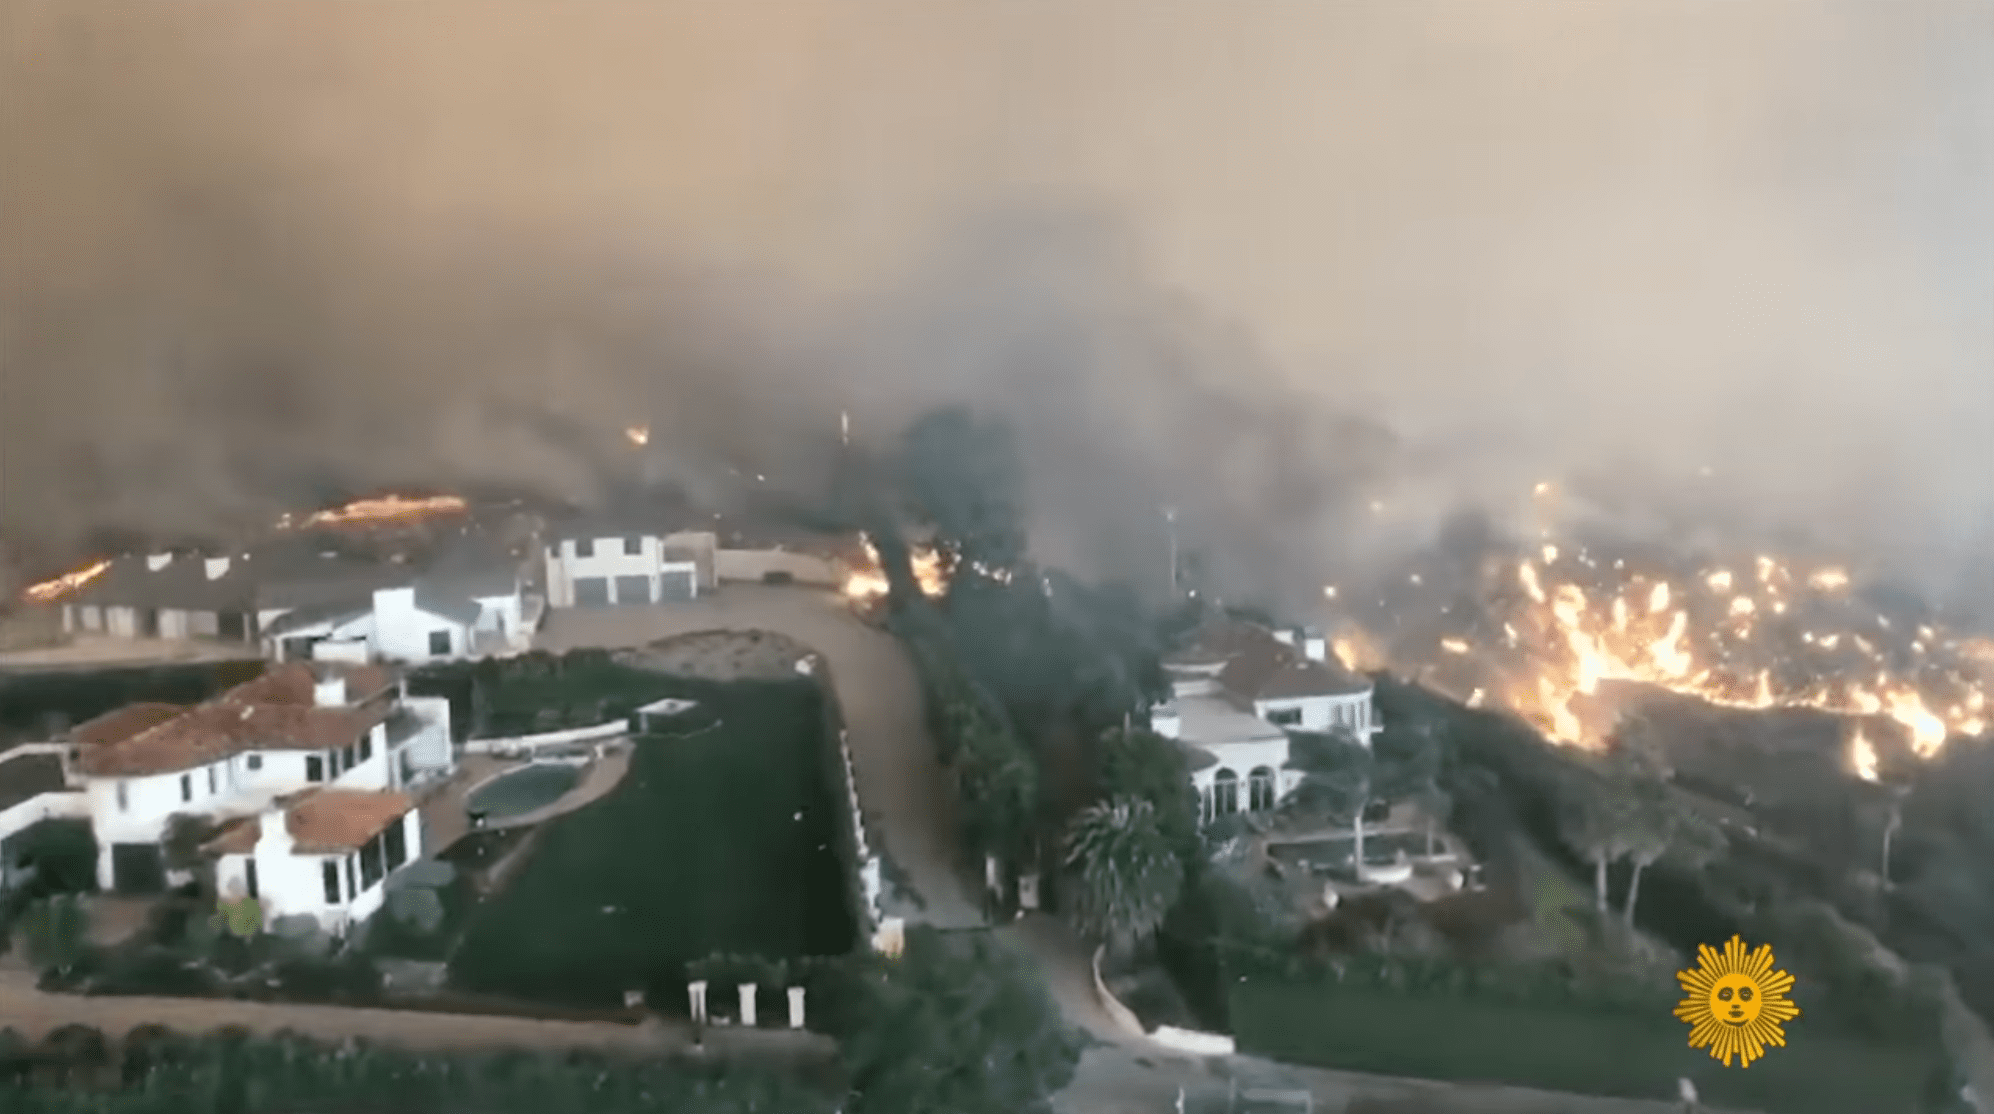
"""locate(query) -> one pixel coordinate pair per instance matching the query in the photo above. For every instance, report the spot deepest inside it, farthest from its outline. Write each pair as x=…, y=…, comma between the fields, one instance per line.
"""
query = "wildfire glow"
x=48, y=591
x=1545, y=631
x=378, y=511
x=869, y=583
x=638, y=435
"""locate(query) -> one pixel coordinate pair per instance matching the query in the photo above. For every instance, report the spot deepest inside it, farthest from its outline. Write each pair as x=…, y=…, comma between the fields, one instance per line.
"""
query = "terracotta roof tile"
x=1277, y=671
x=272, y=712
x=117, y=726
x=321, y=822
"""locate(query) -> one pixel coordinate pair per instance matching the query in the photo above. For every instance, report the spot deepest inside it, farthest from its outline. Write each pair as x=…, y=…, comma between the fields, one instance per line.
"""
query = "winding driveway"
x=902, y=787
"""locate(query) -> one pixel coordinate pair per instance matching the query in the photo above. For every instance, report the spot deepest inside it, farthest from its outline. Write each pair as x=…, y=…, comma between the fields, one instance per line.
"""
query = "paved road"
x=902, y=787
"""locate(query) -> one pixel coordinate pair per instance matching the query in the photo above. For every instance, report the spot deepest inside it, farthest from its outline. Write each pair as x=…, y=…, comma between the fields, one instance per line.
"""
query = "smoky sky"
x=1728, y=265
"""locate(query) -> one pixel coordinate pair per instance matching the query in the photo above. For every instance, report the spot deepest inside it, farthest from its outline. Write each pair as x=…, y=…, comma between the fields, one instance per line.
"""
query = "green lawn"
x=722, y=842
x=1588, y=1053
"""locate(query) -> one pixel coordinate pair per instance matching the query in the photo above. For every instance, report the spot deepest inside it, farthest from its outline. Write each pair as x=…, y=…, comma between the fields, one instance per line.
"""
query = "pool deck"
x=598, y=778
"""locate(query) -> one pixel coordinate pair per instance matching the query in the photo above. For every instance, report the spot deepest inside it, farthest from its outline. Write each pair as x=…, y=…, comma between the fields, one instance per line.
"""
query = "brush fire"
x=868, y=582
x=1541, y=633
x=381, y=510
x=373, y=512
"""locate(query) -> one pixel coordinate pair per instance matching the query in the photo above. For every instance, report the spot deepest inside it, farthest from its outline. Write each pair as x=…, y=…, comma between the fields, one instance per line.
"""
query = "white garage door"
x=675, y=586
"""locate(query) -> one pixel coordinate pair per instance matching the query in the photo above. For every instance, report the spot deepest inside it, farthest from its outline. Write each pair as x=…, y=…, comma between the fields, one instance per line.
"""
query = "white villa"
x=474, y=600
x=307, y=770
x=610, y=562
x=1238, y=689
x=470, y=604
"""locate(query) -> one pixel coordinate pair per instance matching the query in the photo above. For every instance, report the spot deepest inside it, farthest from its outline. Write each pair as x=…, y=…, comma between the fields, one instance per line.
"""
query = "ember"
x=638, y=435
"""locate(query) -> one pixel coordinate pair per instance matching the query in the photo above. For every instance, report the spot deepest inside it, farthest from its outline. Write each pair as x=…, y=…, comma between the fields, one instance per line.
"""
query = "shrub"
x=56, y=932
x=351, y=978
x=152, y=971
x=418, y=910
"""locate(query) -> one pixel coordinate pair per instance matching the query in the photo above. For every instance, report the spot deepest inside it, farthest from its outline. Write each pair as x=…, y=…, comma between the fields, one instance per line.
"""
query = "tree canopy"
x=958, y=1024
x=1126, y=873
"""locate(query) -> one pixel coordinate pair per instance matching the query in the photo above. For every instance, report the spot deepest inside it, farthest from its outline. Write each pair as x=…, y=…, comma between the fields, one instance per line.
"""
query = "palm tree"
x=1126, y=869
x=1596, y=822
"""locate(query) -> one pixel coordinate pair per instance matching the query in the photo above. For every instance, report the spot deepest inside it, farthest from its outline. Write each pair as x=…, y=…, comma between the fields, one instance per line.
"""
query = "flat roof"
x=1209, y=721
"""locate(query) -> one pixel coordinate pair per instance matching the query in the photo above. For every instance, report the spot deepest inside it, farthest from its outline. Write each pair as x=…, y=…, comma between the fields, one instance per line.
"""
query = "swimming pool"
x=520, y=791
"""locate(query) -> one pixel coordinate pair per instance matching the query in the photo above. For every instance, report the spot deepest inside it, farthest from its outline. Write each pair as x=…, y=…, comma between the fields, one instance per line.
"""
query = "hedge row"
x=996, y=775
x=156, y=1071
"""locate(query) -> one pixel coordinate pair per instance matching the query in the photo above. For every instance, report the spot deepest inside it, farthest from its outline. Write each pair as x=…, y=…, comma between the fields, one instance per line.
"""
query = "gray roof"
x=336, y=612
x=449, y=605
x=27, y=776
x=182, y=584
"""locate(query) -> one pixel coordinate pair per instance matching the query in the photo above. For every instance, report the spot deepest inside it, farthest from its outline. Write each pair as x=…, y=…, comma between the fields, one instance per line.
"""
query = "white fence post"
x=796, y=1007
x=748, y=1004
x=697, y=992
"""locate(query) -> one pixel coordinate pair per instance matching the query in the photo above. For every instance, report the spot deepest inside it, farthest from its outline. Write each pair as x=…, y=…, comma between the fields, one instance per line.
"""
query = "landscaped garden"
x=718, y=842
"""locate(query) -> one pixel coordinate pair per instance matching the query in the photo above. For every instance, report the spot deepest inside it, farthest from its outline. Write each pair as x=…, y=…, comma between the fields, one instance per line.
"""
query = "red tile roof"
x=122, y=724
x=272, y=712
x=322, y=822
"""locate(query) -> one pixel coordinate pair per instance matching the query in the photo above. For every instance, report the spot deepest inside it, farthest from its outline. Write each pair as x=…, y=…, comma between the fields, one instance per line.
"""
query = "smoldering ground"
x=1271, y=266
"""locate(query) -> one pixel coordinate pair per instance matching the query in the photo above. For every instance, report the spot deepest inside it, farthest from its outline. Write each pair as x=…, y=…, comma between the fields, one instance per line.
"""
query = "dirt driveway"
x=905, y=793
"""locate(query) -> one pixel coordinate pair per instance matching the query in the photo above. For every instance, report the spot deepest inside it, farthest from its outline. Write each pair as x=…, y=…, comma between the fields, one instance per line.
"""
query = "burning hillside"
x=1541, y=633
x=381, y=510
x=390, y=511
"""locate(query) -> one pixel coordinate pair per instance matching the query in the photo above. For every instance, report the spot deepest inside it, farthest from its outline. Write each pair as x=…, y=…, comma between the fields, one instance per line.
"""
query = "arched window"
x=1260, y=789
x=1225, y=793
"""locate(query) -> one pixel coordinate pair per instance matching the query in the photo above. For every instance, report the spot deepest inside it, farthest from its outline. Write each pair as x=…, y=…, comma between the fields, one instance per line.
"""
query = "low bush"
x=153, y=971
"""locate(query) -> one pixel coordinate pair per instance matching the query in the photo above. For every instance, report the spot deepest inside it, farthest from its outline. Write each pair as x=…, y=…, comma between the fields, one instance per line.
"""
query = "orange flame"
x=869, y=583
x=49, y=591
x=379, y=510
x=1562, y=639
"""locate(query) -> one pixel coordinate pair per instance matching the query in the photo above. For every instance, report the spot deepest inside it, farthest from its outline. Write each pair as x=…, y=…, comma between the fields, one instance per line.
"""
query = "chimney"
x=157, y=561
x=329, y=689
x=275, y=835
x=217, y=567
x=1314, y=645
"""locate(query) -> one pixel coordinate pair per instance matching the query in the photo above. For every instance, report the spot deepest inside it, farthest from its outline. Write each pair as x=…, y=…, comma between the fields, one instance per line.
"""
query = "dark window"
x=211, y=780
x=370, y=864
x=255, y=761
x=352, y=890
x=633, y=545
x=331, y=872
x=314, y=768
x=395, y=843
x=249, y=877
x=1286, y=717
x=346, y=757
x=186, y=787
x=366, y=746
x=124, y=797
x=584, y=547
x=439, y=642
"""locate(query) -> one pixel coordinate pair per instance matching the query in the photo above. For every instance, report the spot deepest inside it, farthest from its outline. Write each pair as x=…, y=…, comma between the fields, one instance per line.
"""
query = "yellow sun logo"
x=1736, y=1002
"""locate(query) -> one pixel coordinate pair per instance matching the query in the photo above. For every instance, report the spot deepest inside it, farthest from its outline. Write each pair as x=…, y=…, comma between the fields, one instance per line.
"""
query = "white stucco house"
x=308, y=771
x=1238, y=689
x=473, y=602
x=609, y=561
x=174, y=596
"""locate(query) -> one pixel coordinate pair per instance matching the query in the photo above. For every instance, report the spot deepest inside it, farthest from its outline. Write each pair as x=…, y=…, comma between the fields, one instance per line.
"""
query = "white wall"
x=1327, y=713
x=402, y=630
x=1242, y=759
x=565, y=565
x=43, y=806
x=291, y=884
x=754, y=564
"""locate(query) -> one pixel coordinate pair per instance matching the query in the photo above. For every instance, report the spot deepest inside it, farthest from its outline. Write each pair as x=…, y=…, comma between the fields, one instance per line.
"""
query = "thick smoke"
x=1314, y=274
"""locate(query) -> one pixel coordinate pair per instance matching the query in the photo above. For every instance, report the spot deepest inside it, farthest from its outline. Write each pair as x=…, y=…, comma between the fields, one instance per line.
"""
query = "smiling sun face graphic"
x=1736, y=1002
